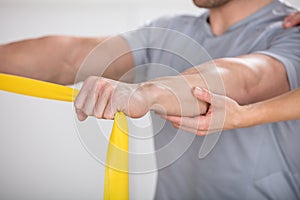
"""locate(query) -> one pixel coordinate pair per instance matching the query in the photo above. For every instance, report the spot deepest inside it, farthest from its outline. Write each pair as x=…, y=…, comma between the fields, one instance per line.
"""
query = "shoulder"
x=269, y=20
x=283, y=8
x=279, y=10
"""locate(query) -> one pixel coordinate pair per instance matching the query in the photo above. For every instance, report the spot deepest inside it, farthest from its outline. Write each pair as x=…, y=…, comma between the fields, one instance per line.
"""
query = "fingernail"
x=288, y=24
x=198, y=91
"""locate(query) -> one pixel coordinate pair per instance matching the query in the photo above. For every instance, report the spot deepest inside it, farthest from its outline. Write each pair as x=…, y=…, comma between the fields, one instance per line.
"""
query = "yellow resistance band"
x=116, y=185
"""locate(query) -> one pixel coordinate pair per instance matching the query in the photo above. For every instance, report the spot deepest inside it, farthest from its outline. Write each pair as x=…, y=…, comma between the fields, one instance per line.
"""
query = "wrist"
x=250, y=116
x=149, y=90
x=154, y=93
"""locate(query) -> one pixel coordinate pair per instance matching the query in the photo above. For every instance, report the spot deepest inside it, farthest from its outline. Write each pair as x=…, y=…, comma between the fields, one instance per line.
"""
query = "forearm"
x=173, y=95
x=282, y=108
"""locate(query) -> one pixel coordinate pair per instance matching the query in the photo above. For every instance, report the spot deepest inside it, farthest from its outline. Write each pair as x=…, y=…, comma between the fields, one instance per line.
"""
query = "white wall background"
x=28, y=18
x=40, y=152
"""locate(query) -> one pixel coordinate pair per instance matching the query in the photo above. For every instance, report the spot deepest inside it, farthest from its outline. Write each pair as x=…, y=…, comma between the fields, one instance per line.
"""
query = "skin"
x=241, y=116
x=292, y=20
x=58, y=59
x=238, y=116
x=102, y=95
x=210, y=3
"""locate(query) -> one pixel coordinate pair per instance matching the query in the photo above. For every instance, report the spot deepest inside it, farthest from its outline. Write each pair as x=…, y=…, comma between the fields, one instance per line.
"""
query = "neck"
x=222, y=18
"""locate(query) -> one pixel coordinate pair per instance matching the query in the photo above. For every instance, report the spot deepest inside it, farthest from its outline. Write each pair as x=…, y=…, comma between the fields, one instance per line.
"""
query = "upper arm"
x=253, y=77
x=111, y=58
x=65, y=59
x=277, y=67
x=247, y=78
x=264, y=73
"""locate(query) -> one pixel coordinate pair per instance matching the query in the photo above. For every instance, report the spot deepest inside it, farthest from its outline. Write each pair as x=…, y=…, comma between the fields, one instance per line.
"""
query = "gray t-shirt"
x=261, y=162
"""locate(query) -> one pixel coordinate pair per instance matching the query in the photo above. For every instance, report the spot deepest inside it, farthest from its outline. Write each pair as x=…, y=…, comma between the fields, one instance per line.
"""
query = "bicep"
x=247, y=78
x=263, y=77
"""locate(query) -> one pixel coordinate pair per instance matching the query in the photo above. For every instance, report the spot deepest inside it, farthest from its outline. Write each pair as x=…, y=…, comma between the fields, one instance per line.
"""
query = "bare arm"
x=58, y=58
x=282, y=108
x=246, y=79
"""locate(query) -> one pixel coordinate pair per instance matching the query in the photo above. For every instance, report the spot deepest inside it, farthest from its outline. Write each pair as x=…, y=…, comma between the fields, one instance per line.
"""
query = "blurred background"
x=30, y=18
x=41, y=154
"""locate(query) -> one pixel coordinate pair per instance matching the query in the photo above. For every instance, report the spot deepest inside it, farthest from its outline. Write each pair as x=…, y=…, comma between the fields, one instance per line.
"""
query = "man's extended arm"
x=246, y=79
x=58, y=58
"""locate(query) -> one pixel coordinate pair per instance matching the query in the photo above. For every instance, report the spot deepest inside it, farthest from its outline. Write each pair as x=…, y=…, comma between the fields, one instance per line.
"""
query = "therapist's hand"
x=292, y=20
x=224, y=113
x=102, y=98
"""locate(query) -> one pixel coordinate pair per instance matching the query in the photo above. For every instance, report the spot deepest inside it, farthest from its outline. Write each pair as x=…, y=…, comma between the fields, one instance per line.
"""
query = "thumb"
x=202, y=94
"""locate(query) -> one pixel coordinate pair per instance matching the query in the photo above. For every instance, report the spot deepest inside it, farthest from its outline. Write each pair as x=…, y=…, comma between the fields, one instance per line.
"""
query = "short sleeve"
x=285, y=47
x=140, y=42
x=137, y=41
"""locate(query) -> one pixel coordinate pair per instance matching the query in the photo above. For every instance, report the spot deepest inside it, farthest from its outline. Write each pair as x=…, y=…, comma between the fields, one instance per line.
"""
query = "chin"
x=210, y=3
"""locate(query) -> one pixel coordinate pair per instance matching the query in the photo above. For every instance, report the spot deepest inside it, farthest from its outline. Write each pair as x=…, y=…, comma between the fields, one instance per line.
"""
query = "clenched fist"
x=102, y=98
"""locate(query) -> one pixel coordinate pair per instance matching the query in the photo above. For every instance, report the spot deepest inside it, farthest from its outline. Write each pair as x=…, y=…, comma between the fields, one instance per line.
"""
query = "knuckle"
x=105, y=87
x=109, y=88
x=89, y=79
x=206, y=126
x=87, y=112
x=97, y=113
x=203, y=126
x=108, y=115
x=100, y=81
x=77, y=105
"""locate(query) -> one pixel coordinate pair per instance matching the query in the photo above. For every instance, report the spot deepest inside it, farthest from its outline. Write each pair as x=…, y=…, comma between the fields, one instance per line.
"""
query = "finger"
x=174, y=119
x=110, y=109
x=102, y=101
x=92, y=96
x=200, y=132
x=201, y=123
x=202, y=94
x=205, y=132
x=80, y=115
x=214, y=99
x=286, y=21
x=198, y=122
x=295, y=18
x=292, y=20
x=80, y=99
x=191, y=130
